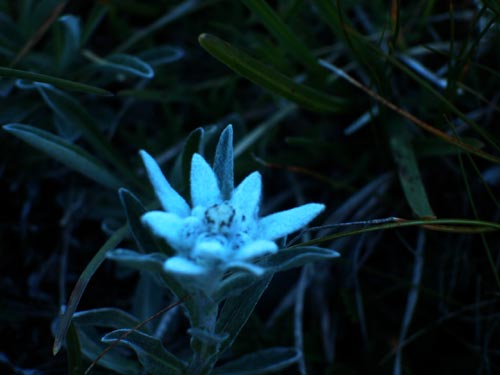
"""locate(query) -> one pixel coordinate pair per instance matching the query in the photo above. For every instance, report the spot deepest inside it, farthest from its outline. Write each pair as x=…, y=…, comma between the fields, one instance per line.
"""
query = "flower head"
x=221, y=229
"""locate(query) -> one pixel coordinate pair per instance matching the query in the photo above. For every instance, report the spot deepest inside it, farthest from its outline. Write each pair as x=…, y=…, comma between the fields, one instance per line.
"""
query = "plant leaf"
x=286, y=259
x=128, y=64
x=70, y=155
x=269, y=78
x=260, y=362
x=224, y=163
x=236, y=311
x=152, y=262
x=155, y=359
x=73, y=112
x=92, y=348
x=58, y=82
x=80, y=286
x=105, y=317
x=134, y=210
x=286, y=37
x=408, y=171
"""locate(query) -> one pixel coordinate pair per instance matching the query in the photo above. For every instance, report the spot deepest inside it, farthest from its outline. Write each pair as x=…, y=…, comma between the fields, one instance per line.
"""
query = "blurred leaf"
x=183, y=9
x=105, y=317
x=236, y=311
x=81, y=284
x=260, y=362
x=152, y=262
x=95, y=17
x=70, y=155
x=127, y=64
x=74, y=113
x=427, y=147
x=155, y=359
x=92, y=348
x=207, y=337
x=69, y=39
x=134, y=210
x=74, y=354
x=224, y=163
x=288, y=40
x=286, y=259
x=408, y=171
x=161, y=55
x=269, y=78
x=58, y=82
x=181, y=171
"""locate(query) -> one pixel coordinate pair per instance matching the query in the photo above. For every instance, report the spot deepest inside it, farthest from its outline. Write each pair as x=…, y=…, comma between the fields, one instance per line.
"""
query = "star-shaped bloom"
x=221, y=229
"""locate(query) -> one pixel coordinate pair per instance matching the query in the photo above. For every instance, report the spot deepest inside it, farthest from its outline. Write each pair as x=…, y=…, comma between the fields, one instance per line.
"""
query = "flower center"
x=220, y=217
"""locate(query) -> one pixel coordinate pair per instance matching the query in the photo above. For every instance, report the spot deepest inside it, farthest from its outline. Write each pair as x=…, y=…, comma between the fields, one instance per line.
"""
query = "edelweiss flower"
x=221, y=230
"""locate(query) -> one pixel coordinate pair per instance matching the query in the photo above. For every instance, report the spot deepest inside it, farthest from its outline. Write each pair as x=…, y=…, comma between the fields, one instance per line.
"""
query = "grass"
x=378, y=111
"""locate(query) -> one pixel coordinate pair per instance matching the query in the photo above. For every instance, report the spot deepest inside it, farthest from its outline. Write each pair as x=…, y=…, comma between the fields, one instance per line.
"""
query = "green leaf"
x=72, y=156
x=181, y=170
x=270, y=78
x=408, y=171
x=286, y=37
x=92, y=348
x=80, y=286
x=74, y=353
x=152, y=262
x=58, y=82
x=95, y=17
x=127, y=64
x=105, y=317
x=236, y=311
x=68, y=38
x=224, y=163
x=207, y=337
x=155, y=359
x=134, y=210
x=73, y=112
x=161, y=55
x=260, y=362
x=286, y=259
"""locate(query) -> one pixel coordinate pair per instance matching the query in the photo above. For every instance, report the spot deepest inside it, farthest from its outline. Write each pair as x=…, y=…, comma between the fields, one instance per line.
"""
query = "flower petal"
x=256, y=249
x=285, y=222
x=210, y=248
x=204, y=187
x=183, y=266
x=224, y=163
x=246, y=196
x=170, y=200
x=166, y=225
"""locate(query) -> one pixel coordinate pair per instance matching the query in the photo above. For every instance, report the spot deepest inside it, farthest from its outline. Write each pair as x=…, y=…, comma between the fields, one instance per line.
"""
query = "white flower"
x=221, y=230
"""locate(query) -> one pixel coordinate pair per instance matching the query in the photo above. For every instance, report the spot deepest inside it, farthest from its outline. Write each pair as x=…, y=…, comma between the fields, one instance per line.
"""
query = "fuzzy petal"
x=256, y=249
x=183, y=266
x=224, y=164
x=246, y=196
x=210, y=248
x=205, y=190
x=283, y=223
x=170, y=200
x=166, y=225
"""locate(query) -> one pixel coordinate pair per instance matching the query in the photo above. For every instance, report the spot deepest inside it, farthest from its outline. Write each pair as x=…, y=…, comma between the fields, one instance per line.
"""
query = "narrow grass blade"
x=74, y=355
x=81, y=284
x=71, y=111
x=286, y=37
x=408, y=171
x=69, y=154
x=411, y=301
x=58, y=82
x=269, y=78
